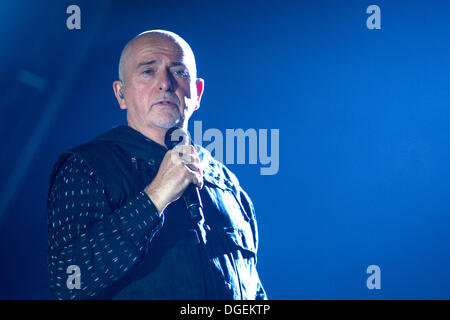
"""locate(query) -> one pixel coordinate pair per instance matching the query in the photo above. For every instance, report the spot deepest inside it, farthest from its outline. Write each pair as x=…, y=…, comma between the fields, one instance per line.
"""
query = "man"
x=115, y=208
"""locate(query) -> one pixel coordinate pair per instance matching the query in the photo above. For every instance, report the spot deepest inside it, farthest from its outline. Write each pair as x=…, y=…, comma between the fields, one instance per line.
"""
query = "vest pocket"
x=242, y=239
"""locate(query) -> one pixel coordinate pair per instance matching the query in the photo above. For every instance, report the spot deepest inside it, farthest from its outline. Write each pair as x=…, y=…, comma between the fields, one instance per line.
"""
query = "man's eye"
x=181, y=73
x=148, y=72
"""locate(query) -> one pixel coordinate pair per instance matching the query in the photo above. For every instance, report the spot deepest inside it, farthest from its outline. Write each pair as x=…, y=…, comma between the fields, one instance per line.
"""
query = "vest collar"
x=134, y=142
x=146, y=149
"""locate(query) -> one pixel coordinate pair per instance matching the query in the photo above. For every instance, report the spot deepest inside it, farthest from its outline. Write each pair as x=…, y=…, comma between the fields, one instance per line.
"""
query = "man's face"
x=158, y=90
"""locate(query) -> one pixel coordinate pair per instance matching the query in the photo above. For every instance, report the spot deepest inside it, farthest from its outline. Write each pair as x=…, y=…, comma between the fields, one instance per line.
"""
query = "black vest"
x=174, y=266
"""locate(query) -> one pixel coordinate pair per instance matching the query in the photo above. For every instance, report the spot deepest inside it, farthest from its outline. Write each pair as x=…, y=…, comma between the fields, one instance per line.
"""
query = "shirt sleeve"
x=100, y=245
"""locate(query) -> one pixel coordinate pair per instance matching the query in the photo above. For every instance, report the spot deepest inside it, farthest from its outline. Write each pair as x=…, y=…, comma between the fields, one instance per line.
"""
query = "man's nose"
x=166, y=82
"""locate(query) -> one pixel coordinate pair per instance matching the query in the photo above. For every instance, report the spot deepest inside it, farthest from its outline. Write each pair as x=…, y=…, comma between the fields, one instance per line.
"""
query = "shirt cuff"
x=143, y=217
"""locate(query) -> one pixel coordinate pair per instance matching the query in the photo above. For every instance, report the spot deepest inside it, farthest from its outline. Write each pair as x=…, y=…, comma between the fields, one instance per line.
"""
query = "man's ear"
x=118, y=88
x=200, y=85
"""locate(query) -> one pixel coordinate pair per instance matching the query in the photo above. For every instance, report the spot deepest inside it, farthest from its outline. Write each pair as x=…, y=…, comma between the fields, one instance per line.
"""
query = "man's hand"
x=179, y=168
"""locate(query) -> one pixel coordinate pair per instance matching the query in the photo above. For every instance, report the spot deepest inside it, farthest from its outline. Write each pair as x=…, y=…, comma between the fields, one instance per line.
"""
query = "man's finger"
x=194, y=167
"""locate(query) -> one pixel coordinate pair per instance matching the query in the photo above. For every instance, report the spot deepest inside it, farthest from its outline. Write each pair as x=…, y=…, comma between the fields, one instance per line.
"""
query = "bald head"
x=151, y=38
x=158, y=83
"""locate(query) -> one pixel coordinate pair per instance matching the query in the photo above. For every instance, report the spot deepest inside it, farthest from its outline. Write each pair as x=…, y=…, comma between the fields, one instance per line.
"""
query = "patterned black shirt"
x=110, y=242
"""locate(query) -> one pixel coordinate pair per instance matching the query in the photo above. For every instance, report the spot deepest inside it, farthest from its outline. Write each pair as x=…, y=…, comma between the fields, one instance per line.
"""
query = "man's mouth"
x=166, y=103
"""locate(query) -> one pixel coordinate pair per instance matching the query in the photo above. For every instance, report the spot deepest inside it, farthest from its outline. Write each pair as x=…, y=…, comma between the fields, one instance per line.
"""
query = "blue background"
x=363, y=115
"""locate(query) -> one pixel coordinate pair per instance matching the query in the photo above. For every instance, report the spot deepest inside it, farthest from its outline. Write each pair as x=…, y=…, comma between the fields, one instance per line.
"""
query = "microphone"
x=191, y=195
